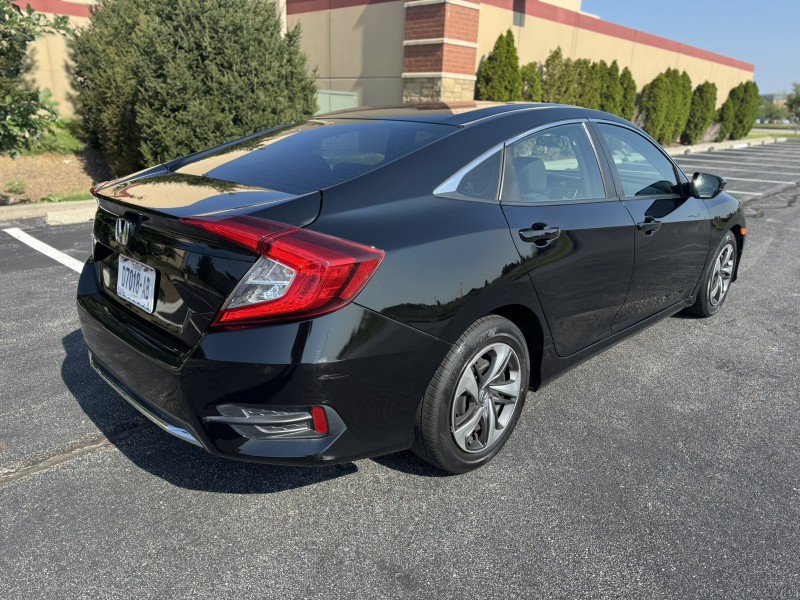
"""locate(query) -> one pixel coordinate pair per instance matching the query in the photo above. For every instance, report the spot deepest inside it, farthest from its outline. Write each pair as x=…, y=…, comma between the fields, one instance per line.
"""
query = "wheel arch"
x=531, y=327
x=737, y=232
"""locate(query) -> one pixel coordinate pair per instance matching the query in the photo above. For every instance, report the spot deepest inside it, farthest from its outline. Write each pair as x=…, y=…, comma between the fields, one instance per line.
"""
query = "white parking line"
x=748, y=193
x=57, y=255
x=735, y=162
x=756, y=180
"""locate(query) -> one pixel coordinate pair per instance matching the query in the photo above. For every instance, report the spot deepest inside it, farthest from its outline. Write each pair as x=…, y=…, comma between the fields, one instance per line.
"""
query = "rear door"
x=672, y=230
x=575, y=240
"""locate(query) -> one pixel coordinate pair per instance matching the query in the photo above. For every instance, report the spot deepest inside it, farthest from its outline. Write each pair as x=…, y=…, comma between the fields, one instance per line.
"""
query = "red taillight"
x=301, y=273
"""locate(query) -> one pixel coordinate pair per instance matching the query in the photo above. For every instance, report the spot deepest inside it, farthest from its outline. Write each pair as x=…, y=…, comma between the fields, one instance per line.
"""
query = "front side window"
x=556, y=164
x=642, y=168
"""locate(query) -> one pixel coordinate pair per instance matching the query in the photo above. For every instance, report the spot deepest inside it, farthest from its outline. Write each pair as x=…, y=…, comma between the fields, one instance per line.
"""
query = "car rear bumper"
x=368, y=372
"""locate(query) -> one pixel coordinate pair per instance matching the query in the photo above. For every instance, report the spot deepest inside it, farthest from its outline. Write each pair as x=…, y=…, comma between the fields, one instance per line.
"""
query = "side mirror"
x=706, y=186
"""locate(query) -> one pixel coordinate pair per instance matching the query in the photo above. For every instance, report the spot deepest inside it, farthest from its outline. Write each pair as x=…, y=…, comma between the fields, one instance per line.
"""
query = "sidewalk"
x=78, y=212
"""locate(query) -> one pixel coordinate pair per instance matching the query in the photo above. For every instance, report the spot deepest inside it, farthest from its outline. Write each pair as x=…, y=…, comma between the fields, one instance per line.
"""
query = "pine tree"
x=559, y=81
x=612, y=96
x=531, y=82
x=159, y=80
x=499, y=78
x=628, y=94
x=701, y=113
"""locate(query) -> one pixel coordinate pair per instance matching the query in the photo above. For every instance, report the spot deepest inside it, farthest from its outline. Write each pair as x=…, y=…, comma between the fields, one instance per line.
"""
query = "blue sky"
x=765, y=33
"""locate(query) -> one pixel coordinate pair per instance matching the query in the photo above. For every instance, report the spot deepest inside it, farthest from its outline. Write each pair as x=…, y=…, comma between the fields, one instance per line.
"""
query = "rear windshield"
x=312, y=156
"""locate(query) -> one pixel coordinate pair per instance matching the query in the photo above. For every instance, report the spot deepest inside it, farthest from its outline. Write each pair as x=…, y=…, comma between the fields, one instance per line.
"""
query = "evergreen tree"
x=628, y=85
x=701, y=113
x=559, y=80
x=656, y=106
x=589, y=83
x=159, y=80
x=499, y=78
x=612, y=95
x=746, y=110
x=738, y=113
x=531, y=82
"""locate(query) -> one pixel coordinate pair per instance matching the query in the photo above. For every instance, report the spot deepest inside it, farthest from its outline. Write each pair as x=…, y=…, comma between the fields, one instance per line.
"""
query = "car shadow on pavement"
x=173, y=460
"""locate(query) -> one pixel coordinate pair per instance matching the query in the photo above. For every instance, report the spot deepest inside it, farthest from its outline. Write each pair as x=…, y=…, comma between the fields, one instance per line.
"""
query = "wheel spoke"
x=494, y=428
x=468, y=384
x=502, y=354
x=717, y=284
x=507, y=391
x=467, y=426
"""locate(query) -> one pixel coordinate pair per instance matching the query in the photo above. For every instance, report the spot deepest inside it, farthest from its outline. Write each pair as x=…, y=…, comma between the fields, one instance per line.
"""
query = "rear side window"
x=315, y=155
x=642, y=168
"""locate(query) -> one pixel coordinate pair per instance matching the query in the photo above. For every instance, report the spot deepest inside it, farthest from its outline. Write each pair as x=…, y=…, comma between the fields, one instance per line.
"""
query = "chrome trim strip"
x=178, y=432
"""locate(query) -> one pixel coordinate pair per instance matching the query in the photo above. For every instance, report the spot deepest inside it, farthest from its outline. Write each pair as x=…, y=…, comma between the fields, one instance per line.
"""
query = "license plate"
x=136, y=283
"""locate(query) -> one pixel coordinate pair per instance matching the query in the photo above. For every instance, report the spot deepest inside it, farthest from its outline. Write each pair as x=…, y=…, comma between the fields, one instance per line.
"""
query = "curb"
x=728, y=145
x=54, y=214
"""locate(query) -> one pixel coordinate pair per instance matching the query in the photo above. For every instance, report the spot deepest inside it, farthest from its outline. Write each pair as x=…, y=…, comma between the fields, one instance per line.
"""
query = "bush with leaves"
x=531, y=82
x=559, y=79
x=665, y=105
x=25, y=113
x=701, y=113
x=793, y=103
x=159, y=80
x=739, y=111
x=628, y=109
x=499, y=77
x=612, y=93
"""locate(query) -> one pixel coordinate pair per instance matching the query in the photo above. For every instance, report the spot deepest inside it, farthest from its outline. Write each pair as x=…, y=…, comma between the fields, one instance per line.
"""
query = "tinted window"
x=315, y=155
x=643, y=169
x=555, y=164
x=483, y=181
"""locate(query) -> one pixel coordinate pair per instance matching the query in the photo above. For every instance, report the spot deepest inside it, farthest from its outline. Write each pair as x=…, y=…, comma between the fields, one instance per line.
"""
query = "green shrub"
x=15, y=187
x=628, y=108
x=612, y=92
x=746, y=111
x=158, y=80
x=665, y=105
x=701, y=113
x=589, y=81
x=531, y=82
x=560, y=79
x=499, y=78
x=738, y=113
x=25, y=114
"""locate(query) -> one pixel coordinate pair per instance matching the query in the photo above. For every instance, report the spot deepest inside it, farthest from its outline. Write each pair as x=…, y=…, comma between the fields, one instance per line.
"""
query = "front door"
x=672, y=230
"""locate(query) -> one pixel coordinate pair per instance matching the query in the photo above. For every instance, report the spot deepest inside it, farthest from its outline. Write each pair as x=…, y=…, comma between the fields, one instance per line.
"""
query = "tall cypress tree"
x=499, y=78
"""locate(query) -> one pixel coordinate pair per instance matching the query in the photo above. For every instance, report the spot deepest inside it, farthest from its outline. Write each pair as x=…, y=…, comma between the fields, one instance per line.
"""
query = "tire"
x=488, y=367
x=716, y=279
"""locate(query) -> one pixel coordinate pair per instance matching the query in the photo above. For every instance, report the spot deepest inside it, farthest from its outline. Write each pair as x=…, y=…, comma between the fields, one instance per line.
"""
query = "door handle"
x=649, y=225
x=540, y=234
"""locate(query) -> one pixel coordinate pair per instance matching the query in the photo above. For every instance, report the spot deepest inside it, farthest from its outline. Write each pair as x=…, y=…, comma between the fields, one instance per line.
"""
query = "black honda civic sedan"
x=383, y=279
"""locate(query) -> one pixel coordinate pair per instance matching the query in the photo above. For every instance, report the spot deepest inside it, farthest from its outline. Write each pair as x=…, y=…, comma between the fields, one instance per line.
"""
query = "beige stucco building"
x=378, y=52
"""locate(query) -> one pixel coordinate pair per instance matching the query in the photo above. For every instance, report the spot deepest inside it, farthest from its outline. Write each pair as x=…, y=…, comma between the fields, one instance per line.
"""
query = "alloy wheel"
x=720, y=279
x=485, y=398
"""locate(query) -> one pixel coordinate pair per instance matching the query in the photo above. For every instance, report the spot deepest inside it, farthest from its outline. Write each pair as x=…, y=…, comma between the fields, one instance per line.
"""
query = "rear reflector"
x=320, y=419
x=300, y=273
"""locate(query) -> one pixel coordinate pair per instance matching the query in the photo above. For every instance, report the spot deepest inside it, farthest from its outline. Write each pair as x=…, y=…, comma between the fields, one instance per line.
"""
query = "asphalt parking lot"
x=666, y=467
